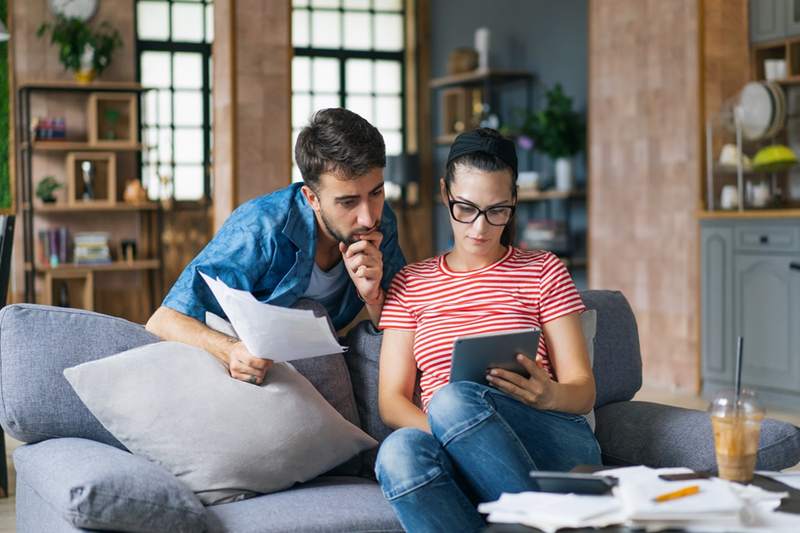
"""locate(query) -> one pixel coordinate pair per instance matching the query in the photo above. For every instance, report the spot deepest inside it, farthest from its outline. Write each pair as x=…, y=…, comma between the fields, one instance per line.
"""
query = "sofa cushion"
x=37, y=343
x=617, y=359
x=656, y=435
x=325, y=505
x=226, y=439
x=362, y=357
x=96, y=486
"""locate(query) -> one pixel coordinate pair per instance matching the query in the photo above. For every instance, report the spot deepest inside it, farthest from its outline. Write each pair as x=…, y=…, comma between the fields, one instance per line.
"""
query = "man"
x=331, y=239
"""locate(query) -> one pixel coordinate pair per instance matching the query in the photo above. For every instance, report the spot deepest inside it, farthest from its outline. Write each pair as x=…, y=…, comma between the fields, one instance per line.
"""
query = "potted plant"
x=83, y=50
x=559, y=132
x=45, y=189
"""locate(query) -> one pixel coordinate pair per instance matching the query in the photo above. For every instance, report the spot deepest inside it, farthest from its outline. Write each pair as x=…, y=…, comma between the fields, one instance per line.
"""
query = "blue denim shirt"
x=267, y=247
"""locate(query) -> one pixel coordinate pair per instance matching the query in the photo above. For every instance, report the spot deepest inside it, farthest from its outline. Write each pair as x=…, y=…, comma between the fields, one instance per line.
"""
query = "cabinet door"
x=767, y=308
x=768, y=19
x=717, y=302
x=792, y=18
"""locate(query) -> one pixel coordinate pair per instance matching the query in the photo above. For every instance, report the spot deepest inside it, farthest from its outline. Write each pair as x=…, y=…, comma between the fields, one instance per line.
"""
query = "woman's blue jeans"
x=484, y=443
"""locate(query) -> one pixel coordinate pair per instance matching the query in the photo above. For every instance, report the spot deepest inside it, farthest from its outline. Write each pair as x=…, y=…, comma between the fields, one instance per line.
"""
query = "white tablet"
x=473, y=355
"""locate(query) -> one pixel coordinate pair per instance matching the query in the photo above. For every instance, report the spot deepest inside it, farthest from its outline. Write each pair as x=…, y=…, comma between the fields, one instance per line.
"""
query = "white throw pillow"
x=226, y=439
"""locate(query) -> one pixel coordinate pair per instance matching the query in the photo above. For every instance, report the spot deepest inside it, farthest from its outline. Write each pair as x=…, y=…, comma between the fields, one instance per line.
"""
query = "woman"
x=472, y=441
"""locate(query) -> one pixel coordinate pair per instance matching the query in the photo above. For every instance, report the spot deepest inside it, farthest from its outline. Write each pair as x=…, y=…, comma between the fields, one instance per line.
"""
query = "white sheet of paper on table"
x=274, y=332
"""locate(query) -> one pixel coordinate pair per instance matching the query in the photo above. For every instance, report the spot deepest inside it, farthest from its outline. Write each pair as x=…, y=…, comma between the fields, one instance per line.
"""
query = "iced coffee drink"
x=737, y=426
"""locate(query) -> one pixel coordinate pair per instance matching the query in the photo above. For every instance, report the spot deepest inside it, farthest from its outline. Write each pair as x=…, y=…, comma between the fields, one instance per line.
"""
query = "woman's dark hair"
x=489, y=163
x=339, y=141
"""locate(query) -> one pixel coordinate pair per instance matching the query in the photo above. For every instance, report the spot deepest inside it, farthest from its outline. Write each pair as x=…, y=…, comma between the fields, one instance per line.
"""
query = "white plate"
x=756, y=110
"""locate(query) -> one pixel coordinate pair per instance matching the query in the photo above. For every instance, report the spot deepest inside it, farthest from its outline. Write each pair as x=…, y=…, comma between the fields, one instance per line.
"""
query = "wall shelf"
x=78, y=146
x=93, y=208
x=532, y=195
x=68, y=85
x=478, y=77
x=114, y=266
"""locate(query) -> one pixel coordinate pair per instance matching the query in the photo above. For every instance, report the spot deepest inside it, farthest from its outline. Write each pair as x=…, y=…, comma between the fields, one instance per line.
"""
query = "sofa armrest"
x=96, y=486
x=656, y=435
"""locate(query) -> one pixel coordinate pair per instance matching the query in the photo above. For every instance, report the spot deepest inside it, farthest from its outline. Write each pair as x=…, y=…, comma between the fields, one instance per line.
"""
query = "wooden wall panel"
x=725, y=67
x=252, y=101
x=645, y=162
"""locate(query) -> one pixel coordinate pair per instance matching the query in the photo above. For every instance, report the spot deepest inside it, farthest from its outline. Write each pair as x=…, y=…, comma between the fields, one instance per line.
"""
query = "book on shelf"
x=53, y=246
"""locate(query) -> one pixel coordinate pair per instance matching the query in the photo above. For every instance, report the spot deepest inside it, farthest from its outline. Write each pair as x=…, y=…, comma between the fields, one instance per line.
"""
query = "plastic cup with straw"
x=736, y=421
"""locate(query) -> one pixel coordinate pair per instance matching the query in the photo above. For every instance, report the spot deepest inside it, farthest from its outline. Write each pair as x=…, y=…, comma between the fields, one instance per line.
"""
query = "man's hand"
x=536, y=391
x=364, y=263
x=245, y=366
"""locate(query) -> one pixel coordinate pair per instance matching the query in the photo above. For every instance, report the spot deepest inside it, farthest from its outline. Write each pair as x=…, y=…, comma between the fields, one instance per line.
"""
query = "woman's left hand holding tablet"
x=536, y=390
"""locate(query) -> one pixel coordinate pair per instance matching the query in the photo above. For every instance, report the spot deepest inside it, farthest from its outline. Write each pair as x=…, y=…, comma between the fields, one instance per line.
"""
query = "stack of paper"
x=273, y=332
x=718, y=506
x=549, y=511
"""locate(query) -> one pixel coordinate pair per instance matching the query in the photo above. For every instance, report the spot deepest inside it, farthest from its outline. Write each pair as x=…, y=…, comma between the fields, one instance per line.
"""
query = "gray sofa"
x=69, y=460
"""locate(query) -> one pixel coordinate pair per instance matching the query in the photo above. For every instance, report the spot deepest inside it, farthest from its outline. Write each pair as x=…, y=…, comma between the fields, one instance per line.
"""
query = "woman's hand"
x=536, y=391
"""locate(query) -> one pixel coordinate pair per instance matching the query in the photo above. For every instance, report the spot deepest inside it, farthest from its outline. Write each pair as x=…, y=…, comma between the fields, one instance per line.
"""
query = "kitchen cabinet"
x=717, y=308
x=792, y=14
x=750, y=285
x=769, y=20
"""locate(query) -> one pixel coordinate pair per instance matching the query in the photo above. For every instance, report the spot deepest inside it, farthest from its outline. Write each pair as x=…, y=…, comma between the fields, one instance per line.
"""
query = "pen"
x=680, y=493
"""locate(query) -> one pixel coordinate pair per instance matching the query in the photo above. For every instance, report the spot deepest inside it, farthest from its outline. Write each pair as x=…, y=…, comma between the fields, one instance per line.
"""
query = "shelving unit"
x=476, y=86
x=566, y=198
x=149, y=259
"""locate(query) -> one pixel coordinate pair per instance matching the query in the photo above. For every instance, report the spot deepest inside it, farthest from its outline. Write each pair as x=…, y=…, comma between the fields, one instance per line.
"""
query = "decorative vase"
x=85, y=76
x=564, y=180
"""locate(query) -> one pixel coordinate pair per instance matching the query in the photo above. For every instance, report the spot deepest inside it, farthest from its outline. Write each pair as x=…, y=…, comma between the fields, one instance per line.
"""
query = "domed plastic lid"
x=724, y=404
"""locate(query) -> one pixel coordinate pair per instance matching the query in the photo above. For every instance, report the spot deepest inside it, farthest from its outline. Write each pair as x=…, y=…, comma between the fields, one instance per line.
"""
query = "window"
x=350, y=53
x=174, y=49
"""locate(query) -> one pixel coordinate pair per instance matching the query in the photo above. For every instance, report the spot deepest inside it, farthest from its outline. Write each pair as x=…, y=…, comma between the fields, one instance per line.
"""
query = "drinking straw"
x=739, y=343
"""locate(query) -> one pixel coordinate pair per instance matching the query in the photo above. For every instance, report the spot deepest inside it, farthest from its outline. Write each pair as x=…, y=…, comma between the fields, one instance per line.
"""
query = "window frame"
x=343, y=54
x=203, y=48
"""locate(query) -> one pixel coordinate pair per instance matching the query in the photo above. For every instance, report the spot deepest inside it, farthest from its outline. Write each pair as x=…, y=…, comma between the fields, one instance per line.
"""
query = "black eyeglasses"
x=466, y=213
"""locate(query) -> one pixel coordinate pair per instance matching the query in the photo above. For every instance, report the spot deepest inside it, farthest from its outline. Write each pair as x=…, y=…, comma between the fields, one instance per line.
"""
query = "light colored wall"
x=654, y=68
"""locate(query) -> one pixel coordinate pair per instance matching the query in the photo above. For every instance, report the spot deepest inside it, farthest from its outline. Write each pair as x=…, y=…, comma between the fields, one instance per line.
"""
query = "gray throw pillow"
x=96, y=486
x=226, y=439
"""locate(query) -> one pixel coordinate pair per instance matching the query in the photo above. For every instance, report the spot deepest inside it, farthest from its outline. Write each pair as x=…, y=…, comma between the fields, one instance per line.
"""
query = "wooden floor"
x=8, y=521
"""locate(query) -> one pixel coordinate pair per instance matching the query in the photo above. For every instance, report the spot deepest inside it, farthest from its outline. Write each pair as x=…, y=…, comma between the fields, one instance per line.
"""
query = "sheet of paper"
x=790, y=478
x=638, y=486
x=548, y=510
x=273, y=332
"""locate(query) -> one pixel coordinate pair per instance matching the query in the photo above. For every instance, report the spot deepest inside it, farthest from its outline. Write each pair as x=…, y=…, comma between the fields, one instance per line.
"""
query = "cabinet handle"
x=763, y=239
x=794, y=266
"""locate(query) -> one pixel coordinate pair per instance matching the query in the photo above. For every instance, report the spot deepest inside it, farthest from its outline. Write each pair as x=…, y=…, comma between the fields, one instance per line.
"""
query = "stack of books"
x=92, y=248
x=53, y=246
x=545, y=235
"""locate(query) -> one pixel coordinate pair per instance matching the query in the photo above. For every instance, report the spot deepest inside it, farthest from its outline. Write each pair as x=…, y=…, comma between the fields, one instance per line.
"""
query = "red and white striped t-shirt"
x=523, y=289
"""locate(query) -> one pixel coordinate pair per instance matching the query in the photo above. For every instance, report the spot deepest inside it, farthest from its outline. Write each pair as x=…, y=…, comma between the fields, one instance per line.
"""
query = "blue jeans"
x=484, y=443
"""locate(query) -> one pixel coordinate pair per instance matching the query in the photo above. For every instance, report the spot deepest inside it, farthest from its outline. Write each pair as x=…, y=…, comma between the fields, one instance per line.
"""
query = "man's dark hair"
x=338, y=141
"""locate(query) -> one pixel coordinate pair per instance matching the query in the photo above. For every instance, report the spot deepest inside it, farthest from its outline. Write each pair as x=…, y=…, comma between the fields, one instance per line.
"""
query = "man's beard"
x=341, y=237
